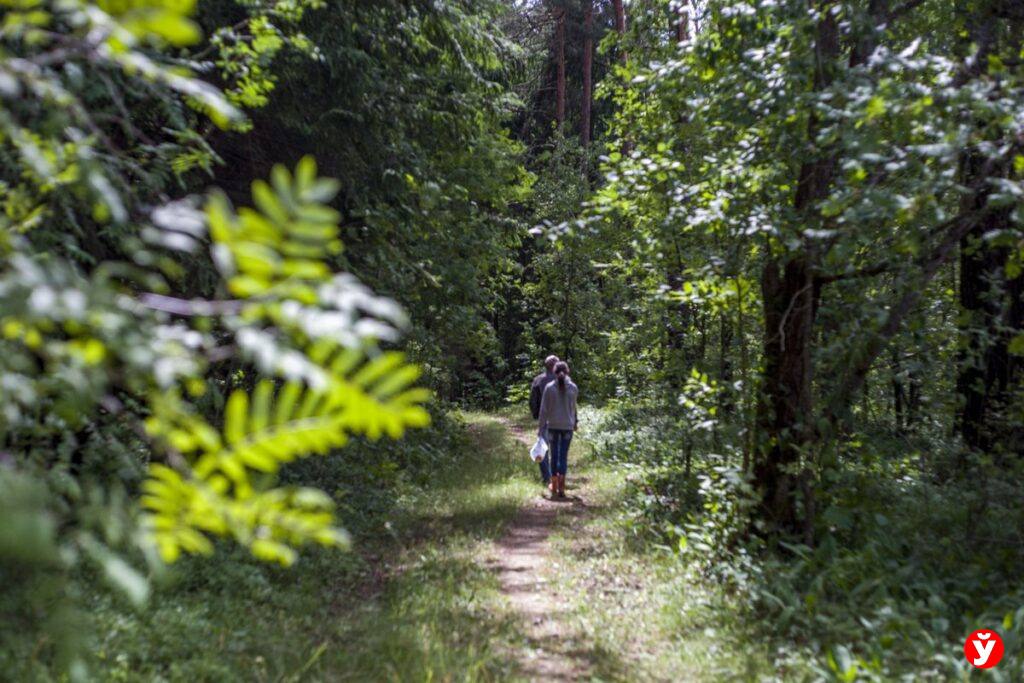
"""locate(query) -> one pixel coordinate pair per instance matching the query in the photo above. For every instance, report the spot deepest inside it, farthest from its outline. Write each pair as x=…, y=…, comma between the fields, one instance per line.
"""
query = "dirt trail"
x=526, y=570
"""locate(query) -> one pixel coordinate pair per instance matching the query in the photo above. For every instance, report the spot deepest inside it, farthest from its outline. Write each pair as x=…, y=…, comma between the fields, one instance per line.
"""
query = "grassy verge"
x=646, y=615
x=904, y=568
x=414, y=600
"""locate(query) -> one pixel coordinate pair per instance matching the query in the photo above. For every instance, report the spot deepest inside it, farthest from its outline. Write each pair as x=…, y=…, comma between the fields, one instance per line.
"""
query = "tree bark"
x=682, y=26
x=789, y=295
x=899, y=394
x=992, y=310
x=745, y=402
x=726, y=402
x=588, y=71
x=620, y=28
x=992, y=314
x=620, y=16
x=786, y=289
x=560, y=62
x=680, y=320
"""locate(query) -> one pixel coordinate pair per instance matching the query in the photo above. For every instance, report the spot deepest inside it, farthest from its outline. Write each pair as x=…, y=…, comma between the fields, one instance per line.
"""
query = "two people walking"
x=553, y=404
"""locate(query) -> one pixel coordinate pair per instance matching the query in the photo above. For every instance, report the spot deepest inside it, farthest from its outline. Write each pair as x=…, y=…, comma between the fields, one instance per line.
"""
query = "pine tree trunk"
x=682, y=25
x=560, y=61
x=620, y=28
x=620, y=16
x=588, y=71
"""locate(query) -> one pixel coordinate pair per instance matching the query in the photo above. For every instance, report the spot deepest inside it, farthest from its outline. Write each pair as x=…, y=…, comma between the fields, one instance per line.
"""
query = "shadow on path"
x=524, y=568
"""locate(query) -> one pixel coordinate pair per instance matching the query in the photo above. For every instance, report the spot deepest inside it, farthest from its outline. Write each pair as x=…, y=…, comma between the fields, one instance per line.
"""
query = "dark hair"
x=561, y=372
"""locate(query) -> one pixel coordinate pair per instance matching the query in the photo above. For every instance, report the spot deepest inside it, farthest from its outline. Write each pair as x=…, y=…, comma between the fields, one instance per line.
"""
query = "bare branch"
x=955, y=229
x=902, y=9
x=190, y=307
x=870, y=271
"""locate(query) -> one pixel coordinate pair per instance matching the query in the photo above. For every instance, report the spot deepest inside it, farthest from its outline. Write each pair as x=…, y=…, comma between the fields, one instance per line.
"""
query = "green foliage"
x=58, y=148
x=98, y=357
x=789, y=176
x=102, y=351
x=426, y=504
x=248, y=49
x=903, y=570
x=279, y=249
x=274, y=260
x=274, y=430
x=410, y=99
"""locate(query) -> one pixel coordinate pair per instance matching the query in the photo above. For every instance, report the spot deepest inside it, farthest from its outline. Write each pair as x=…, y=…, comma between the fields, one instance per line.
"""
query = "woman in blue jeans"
x=558, y=420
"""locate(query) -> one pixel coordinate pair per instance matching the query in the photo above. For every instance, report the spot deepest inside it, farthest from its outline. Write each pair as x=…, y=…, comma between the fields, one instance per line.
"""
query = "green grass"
x=417, y=601
x=414, y=601
x=645, y=614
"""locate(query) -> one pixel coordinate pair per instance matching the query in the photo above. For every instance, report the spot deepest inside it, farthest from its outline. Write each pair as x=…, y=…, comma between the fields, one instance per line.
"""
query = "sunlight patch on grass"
x=440, y=618
x=414, y=602
x=442, y=615
x=641, y=606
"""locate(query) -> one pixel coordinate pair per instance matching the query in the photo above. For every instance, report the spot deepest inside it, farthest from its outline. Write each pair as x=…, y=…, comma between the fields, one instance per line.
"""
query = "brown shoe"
x=561, y=486
x=553, y=484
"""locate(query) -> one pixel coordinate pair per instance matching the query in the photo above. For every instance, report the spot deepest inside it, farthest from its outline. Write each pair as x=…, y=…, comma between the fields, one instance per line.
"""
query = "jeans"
x=559, y=440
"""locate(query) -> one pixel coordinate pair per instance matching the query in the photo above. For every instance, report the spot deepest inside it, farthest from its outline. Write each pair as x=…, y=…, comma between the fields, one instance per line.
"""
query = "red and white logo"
x=983, y=649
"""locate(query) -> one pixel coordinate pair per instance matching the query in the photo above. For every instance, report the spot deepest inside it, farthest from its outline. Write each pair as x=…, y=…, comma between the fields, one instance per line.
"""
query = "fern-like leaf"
x=261, y=433
x=273, y=257
x=279, y=248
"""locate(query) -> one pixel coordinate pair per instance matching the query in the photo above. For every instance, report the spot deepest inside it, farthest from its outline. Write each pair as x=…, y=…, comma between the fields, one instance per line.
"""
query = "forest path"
x=485, y=578
x=527, y=569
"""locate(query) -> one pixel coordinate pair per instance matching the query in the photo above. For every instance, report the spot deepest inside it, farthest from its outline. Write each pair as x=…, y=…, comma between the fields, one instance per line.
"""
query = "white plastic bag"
x=539, y=449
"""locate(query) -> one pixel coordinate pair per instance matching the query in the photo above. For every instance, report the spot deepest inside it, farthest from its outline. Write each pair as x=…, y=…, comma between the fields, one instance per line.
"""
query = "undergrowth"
x=904, y=566
x=411, y=601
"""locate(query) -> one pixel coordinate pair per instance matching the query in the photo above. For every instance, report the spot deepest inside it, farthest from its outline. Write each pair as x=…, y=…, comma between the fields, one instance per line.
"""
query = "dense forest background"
x=780, y=244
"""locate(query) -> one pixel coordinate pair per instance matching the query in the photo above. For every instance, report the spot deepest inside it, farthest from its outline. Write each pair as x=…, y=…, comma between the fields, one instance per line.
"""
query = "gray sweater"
x=558, y=407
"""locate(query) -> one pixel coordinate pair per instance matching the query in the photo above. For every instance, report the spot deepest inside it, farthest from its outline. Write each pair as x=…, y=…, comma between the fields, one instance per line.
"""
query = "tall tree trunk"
x=992, y=314
x=991, y=303
x=560, y=61
x=588, y=71
x=620, y=28
x=620, y=16
x=745, y=402
x=786, y=289
x=679, y=323
x=727, y=399
x=790, y=295
x=899, y=394
x=913, y=397
x=682, y=25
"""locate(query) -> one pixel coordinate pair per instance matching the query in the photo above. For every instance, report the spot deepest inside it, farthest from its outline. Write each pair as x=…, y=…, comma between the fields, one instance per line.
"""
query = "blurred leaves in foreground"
x=112, y=383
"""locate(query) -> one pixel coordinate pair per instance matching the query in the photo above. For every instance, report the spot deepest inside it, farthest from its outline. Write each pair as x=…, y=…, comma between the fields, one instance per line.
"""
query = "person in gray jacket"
x=558, y=420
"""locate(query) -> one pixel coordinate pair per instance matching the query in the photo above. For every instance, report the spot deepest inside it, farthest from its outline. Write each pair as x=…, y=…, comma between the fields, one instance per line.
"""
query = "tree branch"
x=869, y=271
x=898, y=11
x=956, y=229
x=188, y=308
